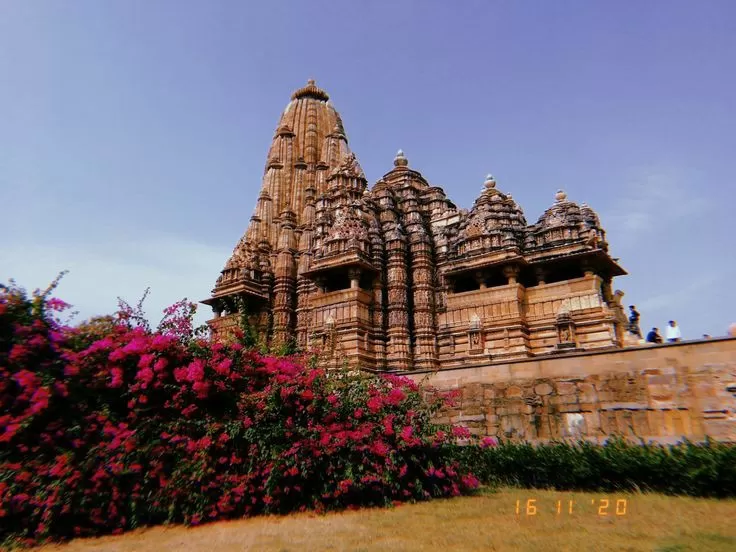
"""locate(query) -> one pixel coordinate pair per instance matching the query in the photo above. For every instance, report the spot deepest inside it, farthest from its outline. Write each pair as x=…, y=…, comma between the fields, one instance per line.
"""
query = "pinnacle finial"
x=560, y=196
x=490, y=182
x=400, y=160
x=311, y=90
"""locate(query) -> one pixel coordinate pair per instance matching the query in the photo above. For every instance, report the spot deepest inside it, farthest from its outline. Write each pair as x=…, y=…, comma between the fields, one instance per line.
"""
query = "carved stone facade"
x=395, y=276
x=657, y=393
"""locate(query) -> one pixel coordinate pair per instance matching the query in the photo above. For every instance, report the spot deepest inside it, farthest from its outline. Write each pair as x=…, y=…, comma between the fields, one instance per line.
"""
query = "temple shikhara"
x=395, y=277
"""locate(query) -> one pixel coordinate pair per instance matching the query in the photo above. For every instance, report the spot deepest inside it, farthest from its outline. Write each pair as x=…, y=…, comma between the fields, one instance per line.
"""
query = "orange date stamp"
x=602, y=507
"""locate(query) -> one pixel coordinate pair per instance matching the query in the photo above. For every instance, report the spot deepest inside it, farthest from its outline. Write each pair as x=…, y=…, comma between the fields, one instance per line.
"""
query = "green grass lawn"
x=488, y=521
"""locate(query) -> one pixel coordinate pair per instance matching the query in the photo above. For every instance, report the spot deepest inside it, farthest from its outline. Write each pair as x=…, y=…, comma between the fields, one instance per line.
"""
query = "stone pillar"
x=541, y=275
x=398, y=353
x=481, y=278
x=285, y=283
x=425, y=350
x=304, y=291
x=378, y=323
x=354, y=275
x=512, y=273
x=321, y=283
x=588, y=269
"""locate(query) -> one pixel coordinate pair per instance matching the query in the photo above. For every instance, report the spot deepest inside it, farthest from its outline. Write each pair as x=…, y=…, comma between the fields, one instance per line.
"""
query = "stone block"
x=566, y=388
x=471, y=418
x=587, y=393
x=565, y=408
x=641, y=422
x=624, y=406
x=563, y=399
x=513, y=391
x=661, y=380
x=472, y=410
x=543, y=388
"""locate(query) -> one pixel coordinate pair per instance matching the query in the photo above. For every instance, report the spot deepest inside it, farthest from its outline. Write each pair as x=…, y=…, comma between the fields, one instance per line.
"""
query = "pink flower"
x=71, y=370
x=201, y=388
x=461, y=432
x=374, y=404
x=117, y=377
x=146, y=360
x=136, y=346
x=145, y=376
x=39, y=400
x=195, y=372
x=379, y=447
x=488, y=442
x=26, y=379
x=395, y=396
x=160, y=342
x=470, y=481
x=223, y=368
x=55, y=304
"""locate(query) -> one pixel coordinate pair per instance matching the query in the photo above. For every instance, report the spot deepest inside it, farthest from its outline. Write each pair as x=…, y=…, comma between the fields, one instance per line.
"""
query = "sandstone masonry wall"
x=658, y=393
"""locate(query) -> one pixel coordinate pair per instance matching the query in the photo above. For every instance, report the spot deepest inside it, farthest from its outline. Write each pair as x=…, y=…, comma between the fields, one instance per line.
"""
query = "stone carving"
x=405, y=274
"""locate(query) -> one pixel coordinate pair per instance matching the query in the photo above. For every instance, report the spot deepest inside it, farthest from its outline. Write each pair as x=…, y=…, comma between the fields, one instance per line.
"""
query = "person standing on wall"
x=634, y=321
x=672, y=333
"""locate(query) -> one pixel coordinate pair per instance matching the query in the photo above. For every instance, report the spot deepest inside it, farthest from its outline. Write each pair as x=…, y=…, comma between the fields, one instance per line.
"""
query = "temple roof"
x=493, y=213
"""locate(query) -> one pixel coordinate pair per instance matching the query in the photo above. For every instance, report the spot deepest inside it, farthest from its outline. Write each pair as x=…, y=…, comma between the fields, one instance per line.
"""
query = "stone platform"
x=661, y=393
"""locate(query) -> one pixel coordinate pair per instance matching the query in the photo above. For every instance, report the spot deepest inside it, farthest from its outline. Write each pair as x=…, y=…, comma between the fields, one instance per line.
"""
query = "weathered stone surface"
x=471, y=418
x=587, y=393
x=635, y=403
x=543, y=389
x=513, y=392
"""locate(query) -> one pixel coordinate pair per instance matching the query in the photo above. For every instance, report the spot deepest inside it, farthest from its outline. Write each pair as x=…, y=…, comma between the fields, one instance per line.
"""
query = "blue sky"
x=133, y=134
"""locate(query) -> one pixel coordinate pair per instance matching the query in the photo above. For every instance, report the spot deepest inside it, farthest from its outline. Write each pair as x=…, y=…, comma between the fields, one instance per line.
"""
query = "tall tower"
x=308, y=147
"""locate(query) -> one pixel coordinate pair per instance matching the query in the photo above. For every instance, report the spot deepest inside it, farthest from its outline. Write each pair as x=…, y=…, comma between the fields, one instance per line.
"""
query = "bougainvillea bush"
x=110, y=425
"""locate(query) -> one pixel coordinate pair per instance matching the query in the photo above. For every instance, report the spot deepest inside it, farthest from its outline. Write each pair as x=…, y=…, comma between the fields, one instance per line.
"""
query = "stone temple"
x=395, y=276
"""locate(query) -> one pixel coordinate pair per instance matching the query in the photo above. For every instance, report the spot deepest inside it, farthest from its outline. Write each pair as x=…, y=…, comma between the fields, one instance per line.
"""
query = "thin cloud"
x=681, y=296
x=172, y=268
x=652, y=202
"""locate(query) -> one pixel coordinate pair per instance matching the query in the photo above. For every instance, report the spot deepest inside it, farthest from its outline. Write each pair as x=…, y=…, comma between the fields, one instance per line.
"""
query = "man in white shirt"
x=672, y=333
